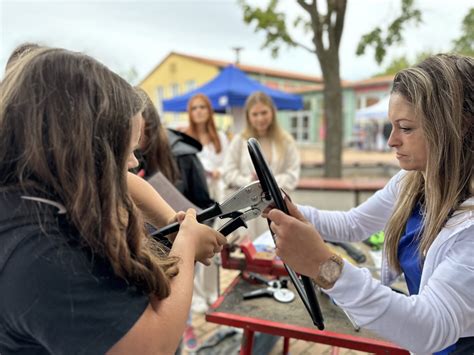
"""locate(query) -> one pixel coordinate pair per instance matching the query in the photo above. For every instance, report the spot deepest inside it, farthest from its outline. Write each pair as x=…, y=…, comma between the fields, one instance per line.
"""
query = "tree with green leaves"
x=465, y=43
x=402, y=62
x=130, y=74
x=326, y=24
x=380, y=40
x=395, y=65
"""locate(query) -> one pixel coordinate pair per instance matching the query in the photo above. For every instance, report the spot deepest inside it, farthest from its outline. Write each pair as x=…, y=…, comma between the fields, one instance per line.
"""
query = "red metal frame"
x=251, y=325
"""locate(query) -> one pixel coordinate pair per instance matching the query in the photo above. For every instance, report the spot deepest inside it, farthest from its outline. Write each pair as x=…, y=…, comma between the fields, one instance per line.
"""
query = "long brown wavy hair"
x=154, y=144
x=441, y=91
x=278, y=136
x=65, y=128
x=210, y=124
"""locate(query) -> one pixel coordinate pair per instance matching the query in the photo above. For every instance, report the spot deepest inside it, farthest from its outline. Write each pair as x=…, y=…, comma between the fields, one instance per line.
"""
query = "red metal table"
x=290, y=320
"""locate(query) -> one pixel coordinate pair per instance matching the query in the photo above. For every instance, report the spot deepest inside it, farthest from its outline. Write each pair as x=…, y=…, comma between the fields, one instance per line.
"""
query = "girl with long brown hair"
x=173, y=154
x=426, y=211
x=202, y=127
x=154, y=145
x=78, y=272
x=214, y=143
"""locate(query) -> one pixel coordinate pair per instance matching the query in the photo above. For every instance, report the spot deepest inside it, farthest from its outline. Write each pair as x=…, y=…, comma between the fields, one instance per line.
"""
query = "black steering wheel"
x=303, y=284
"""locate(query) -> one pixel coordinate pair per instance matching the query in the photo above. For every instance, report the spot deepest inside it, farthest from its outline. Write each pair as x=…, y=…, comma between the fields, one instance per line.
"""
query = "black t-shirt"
x=56, y=296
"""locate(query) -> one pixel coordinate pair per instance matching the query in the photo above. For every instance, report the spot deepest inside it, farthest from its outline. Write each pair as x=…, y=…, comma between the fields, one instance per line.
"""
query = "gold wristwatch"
x=329, y=272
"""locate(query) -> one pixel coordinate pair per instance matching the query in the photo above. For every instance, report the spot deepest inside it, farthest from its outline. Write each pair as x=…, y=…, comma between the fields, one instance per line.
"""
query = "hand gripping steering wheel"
x=303, y=284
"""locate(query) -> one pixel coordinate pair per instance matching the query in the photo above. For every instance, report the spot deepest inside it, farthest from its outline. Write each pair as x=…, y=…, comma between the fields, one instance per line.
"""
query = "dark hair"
x=65, y=128
x=154, y=145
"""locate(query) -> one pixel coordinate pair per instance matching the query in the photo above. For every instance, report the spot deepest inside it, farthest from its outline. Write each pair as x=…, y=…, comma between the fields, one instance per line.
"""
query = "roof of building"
x=317, y=87
x=306, y=88
x=385, y=80
x=246, y=68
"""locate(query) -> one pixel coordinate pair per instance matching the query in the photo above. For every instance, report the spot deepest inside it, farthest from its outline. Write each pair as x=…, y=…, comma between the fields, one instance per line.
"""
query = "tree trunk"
x=333, y=114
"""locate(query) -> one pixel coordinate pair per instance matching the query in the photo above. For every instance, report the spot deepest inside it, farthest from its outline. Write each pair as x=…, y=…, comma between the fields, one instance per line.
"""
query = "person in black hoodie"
x=192, y=182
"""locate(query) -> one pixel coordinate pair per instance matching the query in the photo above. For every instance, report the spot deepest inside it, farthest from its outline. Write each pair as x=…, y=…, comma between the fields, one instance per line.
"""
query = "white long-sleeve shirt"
x=212, y=161
x=238, y=171
x=441, y=313
x=238, y=167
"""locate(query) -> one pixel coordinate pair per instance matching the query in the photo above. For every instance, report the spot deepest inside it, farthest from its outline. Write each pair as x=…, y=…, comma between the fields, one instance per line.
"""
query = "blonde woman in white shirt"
x=278, y=147
x=426, y=211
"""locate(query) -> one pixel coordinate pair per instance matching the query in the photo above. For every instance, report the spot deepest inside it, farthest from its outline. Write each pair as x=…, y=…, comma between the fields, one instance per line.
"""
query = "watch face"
x=284, y=295
x=329, y=272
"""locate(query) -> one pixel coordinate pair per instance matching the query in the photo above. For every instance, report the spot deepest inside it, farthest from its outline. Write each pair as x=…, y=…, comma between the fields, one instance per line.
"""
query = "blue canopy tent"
x=230, y=88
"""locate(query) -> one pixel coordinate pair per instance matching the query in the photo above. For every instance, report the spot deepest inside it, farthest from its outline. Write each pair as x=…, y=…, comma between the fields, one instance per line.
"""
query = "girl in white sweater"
x=278, y=147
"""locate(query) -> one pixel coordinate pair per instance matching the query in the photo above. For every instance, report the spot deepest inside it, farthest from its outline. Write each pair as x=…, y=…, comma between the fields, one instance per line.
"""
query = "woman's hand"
x=205, y=241
x=298, y=243
x=178, y=217
x=284, y=196
x=216, y=175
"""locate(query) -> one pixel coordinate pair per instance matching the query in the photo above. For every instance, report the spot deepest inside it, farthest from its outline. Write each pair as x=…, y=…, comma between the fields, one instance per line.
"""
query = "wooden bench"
x=355, y=185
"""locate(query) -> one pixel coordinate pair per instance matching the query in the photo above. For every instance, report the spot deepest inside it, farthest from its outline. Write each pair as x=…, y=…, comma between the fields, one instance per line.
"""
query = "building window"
x=159, y=98
x=300, y=126
x=174, y=90
x=190, y=85
x=173, y=68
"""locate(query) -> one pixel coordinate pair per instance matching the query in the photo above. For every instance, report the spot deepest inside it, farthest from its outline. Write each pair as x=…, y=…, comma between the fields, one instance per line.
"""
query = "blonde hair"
x=441, y=91
x=277, y=135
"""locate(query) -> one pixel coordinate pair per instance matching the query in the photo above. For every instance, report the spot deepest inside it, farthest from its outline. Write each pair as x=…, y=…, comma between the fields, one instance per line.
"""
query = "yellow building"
x=179, y=73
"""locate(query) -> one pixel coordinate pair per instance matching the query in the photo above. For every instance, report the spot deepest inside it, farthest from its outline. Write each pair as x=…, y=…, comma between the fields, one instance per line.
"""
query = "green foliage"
x=305, y=25
x=402, y=62
x=130, y=74
x=393, y=35
x=397, y=64
x=271, y=21
x=421, y=56
x=465, y=43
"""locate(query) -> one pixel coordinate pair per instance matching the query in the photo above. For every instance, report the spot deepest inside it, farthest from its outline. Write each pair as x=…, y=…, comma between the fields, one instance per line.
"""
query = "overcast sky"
x=139, y=34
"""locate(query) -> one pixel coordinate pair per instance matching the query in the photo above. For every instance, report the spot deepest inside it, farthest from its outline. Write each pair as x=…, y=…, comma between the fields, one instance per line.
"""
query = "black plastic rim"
x=303, y=284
